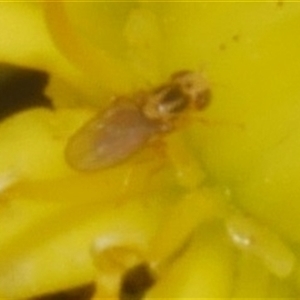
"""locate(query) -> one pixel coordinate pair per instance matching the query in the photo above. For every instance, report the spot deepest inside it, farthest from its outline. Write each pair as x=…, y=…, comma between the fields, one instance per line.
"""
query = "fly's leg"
x=188, y=171
x=125, y=268
x=183, y=216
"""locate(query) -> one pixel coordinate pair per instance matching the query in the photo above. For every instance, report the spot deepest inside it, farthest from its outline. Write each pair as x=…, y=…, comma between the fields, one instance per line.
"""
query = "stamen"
x=95, y=62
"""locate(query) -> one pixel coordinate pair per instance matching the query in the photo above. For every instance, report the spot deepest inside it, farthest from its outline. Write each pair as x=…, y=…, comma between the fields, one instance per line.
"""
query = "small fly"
x=133, y=121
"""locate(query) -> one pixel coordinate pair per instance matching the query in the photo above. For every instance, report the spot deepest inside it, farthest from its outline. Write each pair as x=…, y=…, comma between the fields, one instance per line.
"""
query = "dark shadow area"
x=21, y=88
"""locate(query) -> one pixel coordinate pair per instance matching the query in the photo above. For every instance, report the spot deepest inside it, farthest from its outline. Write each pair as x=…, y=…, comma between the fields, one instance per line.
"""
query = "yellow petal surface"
x=174, y=198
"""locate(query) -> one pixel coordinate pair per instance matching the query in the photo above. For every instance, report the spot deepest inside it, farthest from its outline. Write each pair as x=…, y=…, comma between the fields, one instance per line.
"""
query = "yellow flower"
x=213, y=211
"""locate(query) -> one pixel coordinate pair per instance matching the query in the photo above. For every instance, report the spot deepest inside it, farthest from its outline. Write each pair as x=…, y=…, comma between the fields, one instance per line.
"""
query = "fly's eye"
x=174, y=101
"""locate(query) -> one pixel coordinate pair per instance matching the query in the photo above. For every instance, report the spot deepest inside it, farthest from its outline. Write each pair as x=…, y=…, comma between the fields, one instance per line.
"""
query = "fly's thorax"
x=165, y=103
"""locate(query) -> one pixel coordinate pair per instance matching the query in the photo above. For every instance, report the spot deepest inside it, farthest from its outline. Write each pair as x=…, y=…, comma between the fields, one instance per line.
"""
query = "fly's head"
x=194, y=87
x=185, y=90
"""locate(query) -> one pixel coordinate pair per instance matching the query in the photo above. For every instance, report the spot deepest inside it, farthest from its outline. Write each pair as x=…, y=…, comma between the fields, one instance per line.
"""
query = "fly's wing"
x=110, y=138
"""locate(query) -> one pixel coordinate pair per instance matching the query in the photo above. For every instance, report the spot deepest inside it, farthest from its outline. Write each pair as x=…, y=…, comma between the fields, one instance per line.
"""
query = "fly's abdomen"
x=109, y=139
